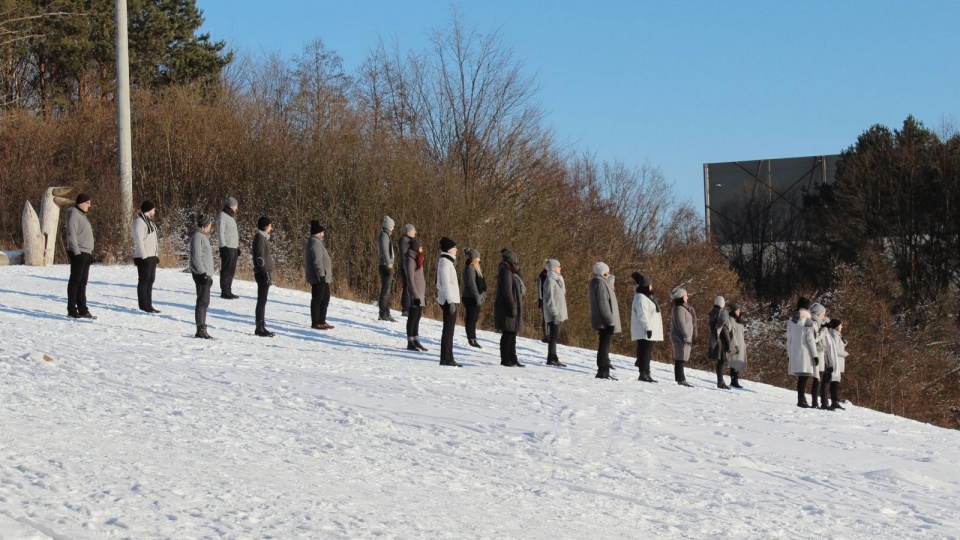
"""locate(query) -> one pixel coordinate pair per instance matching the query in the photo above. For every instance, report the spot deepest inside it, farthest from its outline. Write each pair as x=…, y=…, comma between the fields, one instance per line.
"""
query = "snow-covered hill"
x=137, y=430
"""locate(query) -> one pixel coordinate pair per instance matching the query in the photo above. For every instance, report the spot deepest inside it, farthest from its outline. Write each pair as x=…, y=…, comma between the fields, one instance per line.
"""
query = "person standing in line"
x=385, y=266
x=79, y=239
x=414, y=292
x=838, y=345
x=738, y=361
x=818, y=316
x=646, y=324
x=201, y=267
x=604, y=315
x=554, y=309
x=474, y=293
x=319, y=273
x=146, y=254
x=802, y=349
x=448, y=296
x=409, y=233
x=720, y=346
x=228, y=238
x=541, y=281
x=683, y=330
x=262, y=272
x=508, y=307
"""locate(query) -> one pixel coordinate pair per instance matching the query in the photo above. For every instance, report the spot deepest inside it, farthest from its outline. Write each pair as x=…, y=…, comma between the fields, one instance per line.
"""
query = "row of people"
x=816, y=350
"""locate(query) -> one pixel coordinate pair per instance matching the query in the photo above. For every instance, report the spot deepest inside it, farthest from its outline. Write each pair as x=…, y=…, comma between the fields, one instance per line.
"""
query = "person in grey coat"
x=80, y=241
x=738, y=362
x=721, y=338
x=604, y=315
x=385, y=267
x=474, y=293
x=414, y=292
x=146, y=255
x=683, y=330
x=319, y=273
x=201, y=267
x=554, y=309
x=262, y=272
x=508, y=307
x=228, y=238
x=409, y=233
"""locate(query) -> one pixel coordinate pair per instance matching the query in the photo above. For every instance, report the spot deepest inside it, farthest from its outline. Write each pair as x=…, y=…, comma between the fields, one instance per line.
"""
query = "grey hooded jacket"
x=79, y=233
x=604, y=310
x=554, y=298
x=201, y=254
x=384, y=248
x=316, y=261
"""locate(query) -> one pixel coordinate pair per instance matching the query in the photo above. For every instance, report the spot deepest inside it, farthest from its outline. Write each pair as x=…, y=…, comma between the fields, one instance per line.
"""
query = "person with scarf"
x=604, y=315
x=720, y=347
x=646, y=324
x=474, y=293
x=683, y=330
x=448, y=296
x=414, y=292
x=837, y=347
x=146, y=255
x=508, y=307
x=738, y=361
x=803, y=357
x=554, y=309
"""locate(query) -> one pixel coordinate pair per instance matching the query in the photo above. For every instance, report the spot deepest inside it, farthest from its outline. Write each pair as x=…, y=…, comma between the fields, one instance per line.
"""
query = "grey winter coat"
x=604, y=310
x=145, y=242
x=508, y=305
x=403, y=246
x=416, y=288
x=316, y=261
x=201, y=254
x=79, y=233
x=227, y=234
x=683, y=330
x=738, y=360
x=472, y=283
x=554, y=299
x=384, y=248
x=262, y=255
x=721, y=338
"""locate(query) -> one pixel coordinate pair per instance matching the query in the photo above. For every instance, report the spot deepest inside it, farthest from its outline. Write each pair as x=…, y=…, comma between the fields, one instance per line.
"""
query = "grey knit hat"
x=677, y=292
x=600, y=268
x=719, y=301
x=230, y=202
x=387, y=222
x=203, y=220
x=817, y=309
x=551, y=264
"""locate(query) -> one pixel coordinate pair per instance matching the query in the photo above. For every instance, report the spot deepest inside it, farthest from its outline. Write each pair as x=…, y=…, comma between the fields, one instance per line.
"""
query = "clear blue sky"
x=674, y=83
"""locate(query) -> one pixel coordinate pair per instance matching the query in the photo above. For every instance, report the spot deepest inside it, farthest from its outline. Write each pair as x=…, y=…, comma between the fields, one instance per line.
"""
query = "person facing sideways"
x=721, y=338
x=604, y=315
x=541, y=281
x=409, y=233
x=836, y=360
x=262, y=272
x=474, y=293
x=802, y=348
x=508, y=307
x=554, y=309
x=414, y=292
x=448, y=296
x=146, y=254
x=385, y=267
x=79, y=240
x=201, y=267
x=738, y=361
x=228, y=238
x=818, y=316
x=646, y=324
x=319, y=273
x=683, y=330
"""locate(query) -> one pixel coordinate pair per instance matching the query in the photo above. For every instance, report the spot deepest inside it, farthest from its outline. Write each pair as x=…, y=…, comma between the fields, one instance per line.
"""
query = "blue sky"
x=673, y=83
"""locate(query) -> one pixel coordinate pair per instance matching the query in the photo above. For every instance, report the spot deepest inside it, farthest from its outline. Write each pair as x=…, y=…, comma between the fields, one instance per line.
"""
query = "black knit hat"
x=833, y=323
x=446, y=244
x=415, y=244
x=203, y=220
x=147, y=206
x=82, y=198
x=263, y=222
x=316, y=227
x=803, y=303
x=640, y=279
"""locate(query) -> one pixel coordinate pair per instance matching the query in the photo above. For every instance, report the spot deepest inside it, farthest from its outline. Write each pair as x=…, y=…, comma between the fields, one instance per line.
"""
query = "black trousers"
x=146, y=275
x=319, y=301
x=386, y=282
x=553, y=333
x=678, y=374
x=802, y=388
x=204, y=283
x=644, y=354
x=413, y=322
x=720, y=362
x=446, y=335
x=228, y=268
x=77, y=285
x=603, y=351
x=263, y=289
x=508, y=348
x=472, y=309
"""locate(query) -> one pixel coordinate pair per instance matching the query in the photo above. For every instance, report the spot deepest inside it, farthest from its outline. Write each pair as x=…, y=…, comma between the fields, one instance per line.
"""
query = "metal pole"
x=124, y=152
x=706, y=197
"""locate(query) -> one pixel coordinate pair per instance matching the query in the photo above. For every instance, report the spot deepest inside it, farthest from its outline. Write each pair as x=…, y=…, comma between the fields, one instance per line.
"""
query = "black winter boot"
x=417, y=344
x=411, y=346
x=262, y=330
x=802, y=392
x=835, y=396
x=815, y=394
x=202, y=332
x=734, y=378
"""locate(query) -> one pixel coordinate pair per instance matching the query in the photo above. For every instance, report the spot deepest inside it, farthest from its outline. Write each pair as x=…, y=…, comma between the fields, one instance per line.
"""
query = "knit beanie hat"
x=82, y=198
x=733, y=306
x=551, y=264
x=446, y=244
x=387, y=222
x=817, y=309
x=803, y=303
x=509, y=256
x=263, y=222
x=677, y=293
x=230, y=202
x=833, y=323
x=147, y=206
x=719, y=301
x=316, y=227
x=408, y=227
x=640, y=279
x=203, y=220
x=600, y=268
x=471, y=254
x=415, y=244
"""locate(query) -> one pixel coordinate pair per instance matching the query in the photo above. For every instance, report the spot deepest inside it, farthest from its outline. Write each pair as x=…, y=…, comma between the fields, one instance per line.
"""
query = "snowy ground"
x=137, y=430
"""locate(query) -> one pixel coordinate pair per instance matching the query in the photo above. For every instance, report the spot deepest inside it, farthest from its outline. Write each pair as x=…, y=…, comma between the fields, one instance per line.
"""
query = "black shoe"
x=73, y=315
x=229, y=296
x=836, y=406
x=518, y=364
x=417, y=344
x=685, y=383
x=735, y=384
x=202, y=332
x=387, y=318
x=722, y=385
x=609, y=377
x=473, y=343
x=451, y=363
x=152, y=310
x=404, y=313
x=263, y=332
x=85, y=315
x=803, y=404
x=412, y=347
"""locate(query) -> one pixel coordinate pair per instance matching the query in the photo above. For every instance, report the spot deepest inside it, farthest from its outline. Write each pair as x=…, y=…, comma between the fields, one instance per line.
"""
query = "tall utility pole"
x=124, y=152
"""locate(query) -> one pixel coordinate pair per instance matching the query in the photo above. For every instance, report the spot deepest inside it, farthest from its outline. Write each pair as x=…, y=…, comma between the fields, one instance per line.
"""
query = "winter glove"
x=416, y=303
x=816, y=361
x=829, y=371
x=649, y=334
